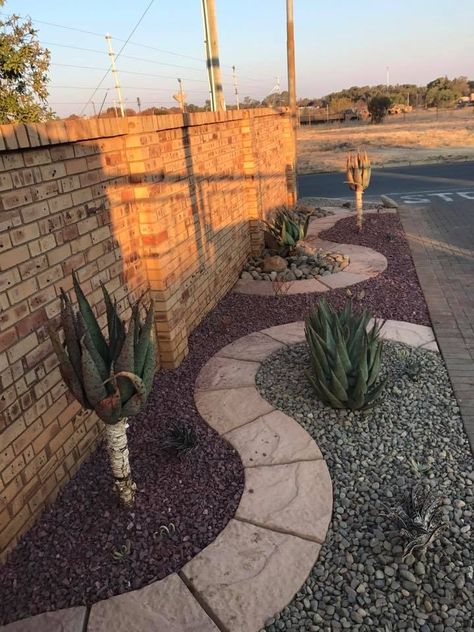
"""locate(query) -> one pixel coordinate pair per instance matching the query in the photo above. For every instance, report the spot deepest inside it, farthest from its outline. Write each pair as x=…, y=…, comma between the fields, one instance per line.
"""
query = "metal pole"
x=108, y=37
x=236, y=90
x=290, y=46
x=212, y=53
x=181, y=95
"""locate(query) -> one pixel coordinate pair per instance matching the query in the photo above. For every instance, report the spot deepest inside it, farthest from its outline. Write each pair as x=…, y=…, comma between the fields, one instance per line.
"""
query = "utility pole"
x=139, y=104
x=236, y=90
x=212, y=55
x=108, y=37
x=388, y=77
x=290, y=47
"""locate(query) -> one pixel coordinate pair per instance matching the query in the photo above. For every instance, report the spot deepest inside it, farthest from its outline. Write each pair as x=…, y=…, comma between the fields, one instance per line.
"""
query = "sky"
x=339, y=43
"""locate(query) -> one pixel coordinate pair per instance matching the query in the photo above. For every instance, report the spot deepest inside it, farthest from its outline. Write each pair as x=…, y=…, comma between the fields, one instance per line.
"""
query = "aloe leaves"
x=345, y=357
x=112, y=377
x=287, y=230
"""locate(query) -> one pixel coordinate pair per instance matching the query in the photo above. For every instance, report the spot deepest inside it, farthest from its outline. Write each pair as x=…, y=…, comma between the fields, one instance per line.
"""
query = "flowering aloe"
x=358, y=172
x=112, y=377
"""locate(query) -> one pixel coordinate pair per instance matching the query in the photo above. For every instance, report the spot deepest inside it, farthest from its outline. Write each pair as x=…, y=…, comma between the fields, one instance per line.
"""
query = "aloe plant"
x=358, y=172
x=345, y=356
x=112, y=377
x=288, y=230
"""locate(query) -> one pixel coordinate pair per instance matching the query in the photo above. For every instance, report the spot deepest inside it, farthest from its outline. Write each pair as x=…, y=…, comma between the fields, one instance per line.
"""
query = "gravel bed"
x=304, y=265
x=68, y=558
x=360, y=581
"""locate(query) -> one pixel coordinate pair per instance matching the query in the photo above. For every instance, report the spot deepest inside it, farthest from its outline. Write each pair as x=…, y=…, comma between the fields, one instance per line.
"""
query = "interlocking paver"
x=441, y=238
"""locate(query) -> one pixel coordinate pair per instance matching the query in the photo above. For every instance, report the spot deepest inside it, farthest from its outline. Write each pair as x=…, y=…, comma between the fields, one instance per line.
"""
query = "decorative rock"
x=274, y=264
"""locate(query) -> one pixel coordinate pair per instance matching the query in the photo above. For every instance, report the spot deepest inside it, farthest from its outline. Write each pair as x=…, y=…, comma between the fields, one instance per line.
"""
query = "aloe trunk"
x=117, y=449
x=358, y=200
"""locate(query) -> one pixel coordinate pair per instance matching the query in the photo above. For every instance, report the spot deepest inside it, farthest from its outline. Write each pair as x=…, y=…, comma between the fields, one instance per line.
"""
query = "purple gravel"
x=67, y=557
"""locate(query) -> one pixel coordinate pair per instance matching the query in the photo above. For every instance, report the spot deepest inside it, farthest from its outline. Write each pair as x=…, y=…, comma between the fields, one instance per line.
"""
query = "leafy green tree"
x=24, y=66
x=378, y=108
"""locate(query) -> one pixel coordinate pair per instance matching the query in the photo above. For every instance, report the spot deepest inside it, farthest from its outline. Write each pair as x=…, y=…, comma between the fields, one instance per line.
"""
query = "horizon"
x=169, y=44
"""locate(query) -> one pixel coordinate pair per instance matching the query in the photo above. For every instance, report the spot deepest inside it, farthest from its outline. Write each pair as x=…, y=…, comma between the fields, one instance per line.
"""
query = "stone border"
x=364, y=263
x=263, y=556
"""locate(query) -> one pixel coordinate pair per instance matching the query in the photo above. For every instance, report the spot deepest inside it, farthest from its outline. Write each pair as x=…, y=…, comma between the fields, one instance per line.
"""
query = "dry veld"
x=419, y=137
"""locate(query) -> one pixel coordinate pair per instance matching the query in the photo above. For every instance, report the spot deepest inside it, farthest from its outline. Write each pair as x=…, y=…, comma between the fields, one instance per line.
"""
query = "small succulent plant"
x=412, y=369
x=419, y=518
x=358, y=171
x=180, y=438
x=288, y=229
x=122, y=552
x=345, y=356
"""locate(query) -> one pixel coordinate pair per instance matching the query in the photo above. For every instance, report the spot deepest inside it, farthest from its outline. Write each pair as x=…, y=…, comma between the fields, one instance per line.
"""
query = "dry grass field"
x=418, y=137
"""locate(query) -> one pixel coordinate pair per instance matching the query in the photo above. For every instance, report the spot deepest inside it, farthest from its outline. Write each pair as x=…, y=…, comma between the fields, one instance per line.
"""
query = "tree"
x=112, y=377
x=378, y=108
x=24, y=66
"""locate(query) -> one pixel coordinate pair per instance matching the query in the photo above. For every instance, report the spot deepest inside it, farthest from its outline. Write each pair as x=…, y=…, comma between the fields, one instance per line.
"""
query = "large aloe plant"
x=358, y=172
x=345, y=356
x=112, y=377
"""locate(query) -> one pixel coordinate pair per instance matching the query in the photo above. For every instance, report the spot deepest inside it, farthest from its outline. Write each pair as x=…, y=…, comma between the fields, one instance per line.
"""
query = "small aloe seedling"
x=181, y=438
x=419, y=518
x=122, y=552
x=288, y=229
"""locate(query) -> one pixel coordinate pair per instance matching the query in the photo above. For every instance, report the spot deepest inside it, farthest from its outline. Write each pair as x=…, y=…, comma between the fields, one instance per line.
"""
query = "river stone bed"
x=300, y=266
x=360, y=582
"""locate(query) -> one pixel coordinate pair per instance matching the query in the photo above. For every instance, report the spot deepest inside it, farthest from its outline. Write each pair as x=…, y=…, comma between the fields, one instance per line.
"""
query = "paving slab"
x=289, y=334
x=273, y=439
x=254, y=347
x=67, y=620
x=344, y=279
x=408, y=333
x=250, y=573
x=226, y=409
x=226, y=373
x=164, y=606
x=295, y=498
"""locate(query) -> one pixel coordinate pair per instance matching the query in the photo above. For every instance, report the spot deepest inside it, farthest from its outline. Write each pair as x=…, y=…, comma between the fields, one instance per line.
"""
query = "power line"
x=118, y=54
x=128, y=72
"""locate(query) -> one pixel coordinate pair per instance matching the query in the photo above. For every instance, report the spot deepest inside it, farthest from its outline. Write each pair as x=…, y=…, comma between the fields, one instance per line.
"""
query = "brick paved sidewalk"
x=441, y=238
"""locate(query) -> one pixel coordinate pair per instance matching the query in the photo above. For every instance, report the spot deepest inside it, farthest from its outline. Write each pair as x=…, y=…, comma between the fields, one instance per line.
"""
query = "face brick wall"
x=164, y=208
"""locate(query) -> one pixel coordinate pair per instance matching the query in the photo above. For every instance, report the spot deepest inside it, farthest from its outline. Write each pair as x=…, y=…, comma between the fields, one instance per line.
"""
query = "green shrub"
x=378, y=108
x=345, y=357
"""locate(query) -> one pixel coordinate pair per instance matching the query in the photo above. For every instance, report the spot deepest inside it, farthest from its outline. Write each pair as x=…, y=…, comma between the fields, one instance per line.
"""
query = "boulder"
x=304, y=248
x=274, y=264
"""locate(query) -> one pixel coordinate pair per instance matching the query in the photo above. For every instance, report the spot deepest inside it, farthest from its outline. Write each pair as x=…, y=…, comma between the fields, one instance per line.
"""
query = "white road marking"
x=423, y=197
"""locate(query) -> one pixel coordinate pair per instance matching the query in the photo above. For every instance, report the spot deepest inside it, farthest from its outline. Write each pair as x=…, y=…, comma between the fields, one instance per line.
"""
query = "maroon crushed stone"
x=67, y=557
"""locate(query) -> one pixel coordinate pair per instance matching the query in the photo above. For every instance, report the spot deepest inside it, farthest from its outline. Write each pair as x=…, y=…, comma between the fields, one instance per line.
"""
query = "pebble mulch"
x=413, y=434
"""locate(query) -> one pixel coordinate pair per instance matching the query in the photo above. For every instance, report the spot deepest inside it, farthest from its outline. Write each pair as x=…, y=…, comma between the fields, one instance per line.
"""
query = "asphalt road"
x=417, y=184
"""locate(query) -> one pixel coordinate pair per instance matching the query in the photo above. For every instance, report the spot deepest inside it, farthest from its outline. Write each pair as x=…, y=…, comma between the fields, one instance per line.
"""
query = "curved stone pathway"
x=266, y=552
x=364, y=264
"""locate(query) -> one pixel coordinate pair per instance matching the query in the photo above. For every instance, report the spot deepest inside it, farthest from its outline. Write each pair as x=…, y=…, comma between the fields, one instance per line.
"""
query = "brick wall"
x=164, y=207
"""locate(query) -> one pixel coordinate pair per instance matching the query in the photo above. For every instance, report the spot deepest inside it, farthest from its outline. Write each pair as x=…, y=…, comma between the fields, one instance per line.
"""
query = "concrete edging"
x=265, y=553
x=364, y=263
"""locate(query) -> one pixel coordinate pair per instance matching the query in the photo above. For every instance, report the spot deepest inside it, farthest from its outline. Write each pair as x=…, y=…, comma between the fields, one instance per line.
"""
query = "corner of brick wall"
x=166, y=207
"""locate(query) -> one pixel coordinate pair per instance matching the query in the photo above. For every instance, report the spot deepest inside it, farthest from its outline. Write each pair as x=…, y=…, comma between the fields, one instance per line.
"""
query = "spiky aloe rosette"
x=419, y=518
x=358, y=171
x=287, y=230
x=113, y=377
x=345, y=356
